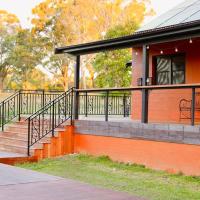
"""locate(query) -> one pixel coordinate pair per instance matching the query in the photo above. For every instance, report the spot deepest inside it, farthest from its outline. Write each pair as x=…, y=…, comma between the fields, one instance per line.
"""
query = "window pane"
x=178, y=77
x=178, y=63
x=178, y=69
x=163, y=70
x=163, y=78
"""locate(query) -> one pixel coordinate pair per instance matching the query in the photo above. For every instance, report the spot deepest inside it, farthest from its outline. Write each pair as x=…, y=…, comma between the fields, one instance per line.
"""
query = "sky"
x=22, y=8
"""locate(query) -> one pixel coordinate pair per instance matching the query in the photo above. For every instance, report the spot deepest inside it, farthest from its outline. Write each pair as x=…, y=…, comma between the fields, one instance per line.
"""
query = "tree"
x=36, y=79
x=25, y=57
x=9, y=25
x=110, y=66
x=78, y=21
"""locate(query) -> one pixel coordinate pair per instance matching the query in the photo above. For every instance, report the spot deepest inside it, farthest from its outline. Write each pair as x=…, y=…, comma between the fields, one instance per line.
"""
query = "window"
x=170, y=69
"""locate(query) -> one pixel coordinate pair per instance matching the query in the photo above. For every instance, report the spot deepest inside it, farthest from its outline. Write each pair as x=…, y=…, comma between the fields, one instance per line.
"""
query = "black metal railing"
x=95, y=104
x=32, y=101
x=109, y=101
x=9, y=109
x=50, y=117
x=104, y=108
x=24, y=102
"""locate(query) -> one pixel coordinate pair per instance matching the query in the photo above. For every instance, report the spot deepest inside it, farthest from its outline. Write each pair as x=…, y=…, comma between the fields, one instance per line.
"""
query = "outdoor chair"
x=185, y=108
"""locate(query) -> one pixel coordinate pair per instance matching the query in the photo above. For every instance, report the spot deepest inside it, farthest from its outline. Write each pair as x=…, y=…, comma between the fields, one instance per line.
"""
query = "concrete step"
x=14, y=148
x=22, y=122
x=15, y=138
x=14, y=134
x=17, y=128
x=15, y=141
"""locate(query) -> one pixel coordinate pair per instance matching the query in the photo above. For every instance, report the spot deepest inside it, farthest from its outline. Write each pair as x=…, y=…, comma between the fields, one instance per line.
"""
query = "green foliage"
x=111, y=70
x=9, y=24
x=60, y=23
x=131, y=178
x=110, y=66
x=122, y=30
x=7, y=43
x=25, y=57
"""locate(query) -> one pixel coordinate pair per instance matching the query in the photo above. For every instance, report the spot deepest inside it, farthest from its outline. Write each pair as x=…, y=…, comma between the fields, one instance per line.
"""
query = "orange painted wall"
x=157, y=155
x=62, y=144
x=164, y=105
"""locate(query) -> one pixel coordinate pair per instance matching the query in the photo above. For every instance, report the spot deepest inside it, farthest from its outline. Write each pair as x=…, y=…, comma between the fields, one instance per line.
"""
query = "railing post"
x=124, y=104
x=76, y=105
x=28, y=137
x=43, y=104
x=3, y=115
x=193, y=107
x=145, y=75
x=53, y=118
x=43, y=95
x=86, y=104
x=76, y=84
x=19, y=106
x=145, y=99
x=71, y=106
x=106, y=106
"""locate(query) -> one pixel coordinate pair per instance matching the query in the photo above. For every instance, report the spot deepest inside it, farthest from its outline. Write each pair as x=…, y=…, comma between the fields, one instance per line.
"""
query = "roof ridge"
x=167, y=27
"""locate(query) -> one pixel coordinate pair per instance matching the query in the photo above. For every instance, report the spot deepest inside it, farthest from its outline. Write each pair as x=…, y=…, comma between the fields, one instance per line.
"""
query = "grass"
x=130, y=178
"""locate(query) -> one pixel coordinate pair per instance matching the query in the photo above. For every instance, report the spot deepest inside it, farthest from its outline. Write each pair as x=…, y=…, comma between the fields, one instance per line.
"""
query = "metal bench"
x=185, y=108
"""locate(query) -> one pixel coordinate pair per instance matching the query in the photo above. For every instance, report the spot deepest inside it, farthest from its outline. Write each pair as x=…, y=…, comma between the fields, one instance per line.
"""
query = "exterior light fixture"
x=149, y=81
x=190, y=41
x=176, y=49
x=136, y=53
x=129, y=64
x=161, y=52
x=148, y=47
x=139, y=81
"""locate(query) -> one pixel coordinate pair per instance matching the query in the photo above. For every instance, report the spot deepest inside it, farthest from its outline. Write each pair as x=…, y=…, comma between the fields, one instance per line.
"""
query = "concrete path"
x=10, y=155
x=22, y=184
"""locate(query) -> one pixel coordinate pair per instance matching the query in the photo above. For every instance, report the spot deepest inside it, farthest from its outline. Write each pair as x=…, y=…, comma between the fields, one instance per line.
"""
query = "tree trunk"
x=83, y=72
x=1, y=83
x=65, y=78
x=84, y=79
x=65, y=84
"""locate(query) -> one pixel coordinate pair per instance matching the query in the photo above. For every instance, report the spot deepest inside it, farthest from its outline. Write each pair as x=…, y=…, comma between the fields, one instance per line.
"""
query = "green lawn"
x=134, y=179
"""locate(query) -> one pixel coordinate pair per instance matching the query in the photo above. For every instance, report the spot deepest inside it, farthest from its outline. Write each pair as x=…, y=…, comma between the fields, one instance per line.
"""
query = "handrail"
x=49, y=91
x=153, y=87
x=9, y=97
x=40, y=110
x=145, y=96
x=49, y=117
x=23, y=102
x=5, y=114
x=94, y=104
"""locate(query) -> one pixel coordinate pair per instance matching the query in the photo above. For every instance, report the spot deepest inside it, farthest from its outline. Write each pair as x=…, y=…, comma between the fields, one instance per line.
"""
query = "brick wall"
x=164, y=105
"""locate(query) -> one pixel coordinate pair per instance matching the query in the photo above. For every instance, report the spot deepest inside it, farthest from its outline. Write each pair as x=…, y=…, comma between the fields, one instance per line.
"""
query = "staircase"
x=14, y=138
x=42, y=134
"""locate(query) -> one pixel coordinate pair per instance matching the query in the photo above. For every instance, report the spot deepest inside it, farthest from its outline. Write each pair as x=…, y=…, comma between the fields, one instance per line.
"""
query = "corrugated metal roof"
x=186, y=12
x=182, y=22
x=169, y=33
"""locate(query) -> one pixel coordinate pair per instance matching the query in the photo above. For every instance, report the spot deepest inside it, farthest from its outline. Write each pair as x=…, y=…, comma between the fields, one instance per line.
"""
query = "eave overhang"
x=153, y=36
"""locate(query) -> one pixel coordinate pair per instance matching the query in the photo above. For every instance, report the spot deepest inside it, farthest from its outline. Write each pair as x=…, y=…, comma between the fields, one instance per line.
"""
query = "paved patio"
x=22, y=184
